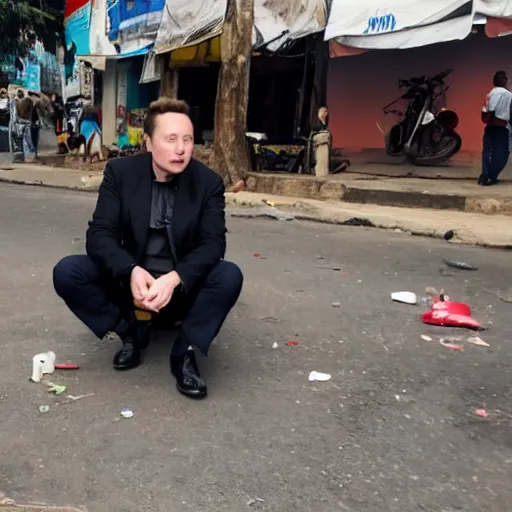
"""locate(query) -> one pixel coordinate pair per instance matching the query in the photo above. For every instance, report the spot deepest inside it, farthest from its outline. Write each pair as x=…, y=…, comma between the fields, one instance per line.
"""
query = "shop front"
x=373, y=48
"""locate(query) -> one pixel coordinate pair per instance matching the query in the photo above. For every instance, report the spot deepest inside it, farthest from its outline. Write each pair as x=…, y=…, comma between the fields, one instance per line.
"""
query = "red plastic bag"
x=450, y=314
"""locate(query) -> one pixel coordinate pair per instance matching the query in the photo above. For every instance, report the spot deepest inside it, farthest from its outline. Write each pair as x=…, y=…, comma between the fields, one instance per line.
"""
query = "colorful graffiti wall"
x=38, y=70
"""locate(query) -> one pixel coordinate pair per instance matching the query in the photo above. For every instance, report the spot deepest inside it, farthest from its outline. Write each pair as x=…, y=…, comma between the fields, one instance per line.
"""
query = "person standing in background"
x=35, y=126
x=59, y=124
x=496, y=116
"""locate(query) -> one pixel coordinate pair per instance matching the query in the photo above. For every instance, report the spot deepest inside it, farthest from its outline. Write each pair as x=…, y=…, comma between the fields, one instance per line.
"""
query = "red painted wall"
x=359, y=86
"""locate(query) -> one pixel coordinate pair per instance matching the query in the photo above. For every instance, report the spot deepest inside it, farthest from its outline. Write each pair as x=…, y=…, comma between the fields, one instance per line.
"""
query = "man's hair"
x=163, y=106
x=499, y=77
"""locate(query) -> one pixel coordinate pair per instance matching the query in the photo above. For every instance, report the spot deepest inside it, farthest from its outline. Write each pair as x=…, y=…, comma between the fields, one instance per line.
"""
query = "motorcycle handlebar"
x=422, y=79
x=441, y=76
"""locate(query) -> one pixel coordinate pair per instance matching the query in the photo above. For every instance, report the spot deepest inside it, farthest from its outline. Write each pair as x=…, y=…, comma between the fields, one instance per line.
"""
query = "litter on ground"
x=479, y=342
x=405, y=297
x=319, y=376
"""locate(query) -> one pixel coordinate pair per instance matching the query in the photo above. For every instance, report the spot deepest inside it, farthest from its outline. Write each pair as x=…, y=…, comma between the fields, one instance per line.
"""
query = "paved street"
x=394, y=430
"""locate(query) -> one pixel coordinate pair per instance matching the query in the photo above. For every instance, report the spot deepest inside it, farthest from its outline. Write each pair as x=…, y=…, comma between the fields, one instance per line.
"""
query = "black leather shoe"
x=128, y=357
x=188, y=380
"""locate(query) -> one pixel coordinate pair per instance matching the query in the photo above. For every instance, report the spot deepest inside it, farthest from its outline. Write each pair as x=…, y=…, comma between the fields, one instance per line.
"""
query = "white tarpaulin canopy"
x=277, y=22
x=189, y=22
x=397, y=24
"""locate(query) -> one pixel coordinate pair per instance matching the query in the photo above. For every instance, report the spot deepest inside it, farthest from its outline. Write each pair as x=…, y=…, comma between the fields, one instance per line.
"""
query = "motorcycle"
x=426, y=134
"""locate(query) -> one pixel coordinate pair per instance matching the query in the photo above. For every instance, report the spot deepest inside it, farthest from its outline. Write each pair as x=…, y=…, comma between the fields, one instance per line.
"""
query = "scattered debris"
x=44, y=409
x=269, y=203
x=460, y=264
x=66, y=366
x=425, y=337
x=257, y=255
x=358, y=221
x=482, y=413
x=452, y=346
x=336, y=269
x=479, y=342
x=71, y=398
x=275, y=345
x=405, y=297
x=506, y=299
x=319, y=376
x=42, y=364
x=254, y=501
x=293, y=343
x=127, y=413
x=269, y=212
x=77, y=240
x=451, y=314
x=449, y=234
x=56, y=389
x=336, y=304
x=430, y=291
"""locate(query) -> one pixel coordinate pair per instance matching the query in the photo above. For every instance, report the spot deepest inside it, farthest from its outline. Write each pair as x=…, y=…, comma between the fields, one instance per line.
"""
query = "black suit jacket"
x=118, y=233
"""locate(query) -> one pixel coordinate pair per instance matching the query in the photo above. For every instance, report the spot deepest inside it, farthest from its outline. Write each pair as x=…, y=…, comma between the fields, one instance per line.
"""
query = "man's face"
x=172, y=143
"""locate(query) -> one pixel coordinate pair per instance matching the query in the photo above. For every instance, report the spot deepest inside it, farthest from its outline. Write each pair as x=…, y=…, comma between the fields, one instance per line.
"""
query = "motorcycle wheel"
x=451, y=145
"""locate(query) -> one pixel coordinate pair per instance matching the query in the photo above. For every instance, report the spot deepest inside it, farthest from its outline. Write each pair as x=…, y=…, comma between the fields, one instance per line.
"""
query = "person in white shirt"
x=496, y=116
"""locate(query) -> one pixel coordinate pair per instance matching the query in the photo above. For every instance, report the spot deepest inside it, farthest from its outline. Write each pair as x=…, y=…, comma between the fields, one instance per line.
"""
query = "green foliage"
x=23, y=20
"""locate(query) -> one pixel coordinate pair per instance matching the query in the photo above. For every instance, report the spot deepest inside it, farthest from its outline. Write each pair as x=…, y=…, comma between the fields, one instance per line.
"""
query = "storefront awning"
x=408, y=24
x=187, y=23
x=278, y=22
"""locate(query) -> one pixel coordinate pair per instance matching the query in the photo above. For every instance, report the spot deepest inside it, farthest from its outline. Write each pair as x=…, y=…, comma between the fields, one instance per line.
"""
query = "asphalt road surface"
x=395, y=429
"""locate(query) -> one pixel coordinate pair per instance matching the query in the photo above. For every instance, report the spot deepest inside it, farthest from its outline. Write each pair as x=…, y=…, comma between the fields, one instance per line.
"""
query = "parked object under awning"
x=400, y=24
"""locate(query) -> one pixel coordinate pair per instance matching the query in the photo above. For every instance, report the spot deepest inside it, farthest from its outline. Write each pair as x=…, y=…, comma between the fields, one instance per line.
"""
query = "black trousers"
x=495, y=151
x=101, y=303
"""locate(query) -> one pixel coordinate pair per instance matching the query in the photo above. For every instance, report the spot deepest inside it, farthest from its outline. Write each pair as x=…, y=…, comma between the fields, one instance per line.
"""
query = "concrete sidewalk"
x=470, y=227
x=35, y=174
x=442, y=194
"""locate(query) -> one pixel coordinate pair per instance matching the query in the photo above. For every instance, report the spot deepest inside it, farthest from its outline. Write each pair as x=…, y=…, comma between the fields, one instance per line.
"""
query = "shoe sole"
x=124, y=368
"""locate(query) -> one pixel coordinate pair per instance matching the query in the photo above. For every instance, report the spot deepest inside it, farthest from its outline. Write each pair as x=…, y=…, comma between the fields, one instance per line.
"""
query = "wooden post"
x=168, y=78
x=231, y=155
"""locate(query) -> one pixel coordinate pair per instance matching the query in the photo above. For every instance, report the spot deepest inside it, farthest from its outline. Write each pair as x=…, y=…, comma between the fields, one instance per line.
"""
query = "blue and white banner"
x=77, y=27
x=133, y=24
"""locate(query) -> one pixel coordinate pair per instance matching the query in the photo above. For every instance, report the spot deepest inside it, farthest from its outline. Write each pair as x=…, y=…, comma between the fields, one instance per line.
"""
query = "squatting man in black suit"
x=155, y=249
